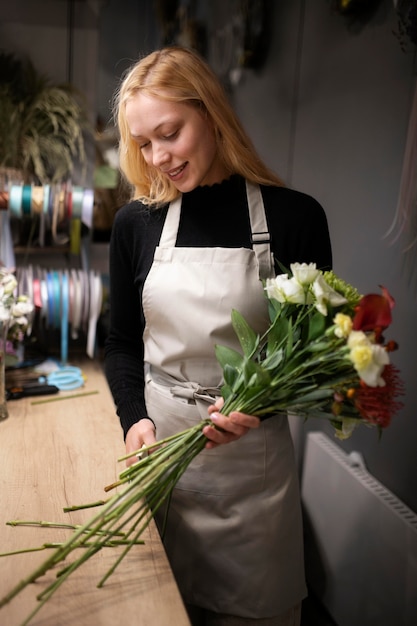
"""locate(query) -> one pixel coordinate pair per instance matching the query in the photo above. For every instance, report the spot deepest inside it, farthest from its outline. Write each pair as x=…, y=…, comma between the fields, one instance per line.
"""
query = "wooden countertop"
x=62, y=453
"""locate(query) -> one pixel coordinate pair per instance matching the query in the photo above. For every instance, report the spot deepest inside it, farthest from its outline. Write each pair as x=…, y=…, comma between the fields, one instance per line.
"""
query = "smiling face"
x=177, y=139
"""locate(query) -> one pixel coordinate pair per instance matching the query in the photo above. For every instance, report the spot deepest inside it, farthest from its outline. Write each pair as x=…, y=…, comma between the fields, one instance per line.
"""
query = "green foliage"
x=42, y=126
x=246, y=335
x=348, y=291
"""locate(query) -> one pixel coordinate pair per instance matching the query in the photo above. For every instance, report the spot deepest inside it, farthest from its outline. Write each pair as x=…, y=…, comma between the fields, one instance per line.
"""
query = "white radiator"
x=361, y=541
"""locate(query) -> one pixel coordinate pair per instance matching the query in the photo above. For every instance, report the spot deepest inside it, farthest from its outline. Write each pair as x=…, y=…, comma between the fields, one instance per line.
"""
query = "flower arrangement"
x=14, y=310
x=14, y=323
x=323, y=355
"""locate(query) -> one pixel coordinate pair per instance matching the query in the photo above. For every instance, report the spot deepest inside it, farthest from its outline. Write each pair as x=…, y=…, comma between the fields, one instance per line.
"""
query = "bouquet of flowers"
x=323, y=355
x=14, y=310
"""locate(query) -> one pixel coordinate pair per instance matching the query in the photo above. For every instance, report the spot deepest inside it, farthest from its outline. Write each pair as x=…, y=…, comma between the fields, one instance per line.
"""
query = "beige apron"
x=234, y=534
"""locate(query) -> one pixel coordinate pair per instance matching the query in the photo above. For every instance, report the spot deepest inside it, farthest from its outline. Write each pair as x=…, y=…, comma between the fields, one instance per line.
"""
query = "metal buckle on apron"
x=259, y=238
x=193, y=392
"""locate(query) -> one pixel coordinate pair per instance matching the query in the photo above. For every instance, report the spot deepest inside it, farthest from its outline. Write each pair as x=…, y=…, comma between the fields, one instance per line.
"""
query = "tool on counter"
x=35, y=389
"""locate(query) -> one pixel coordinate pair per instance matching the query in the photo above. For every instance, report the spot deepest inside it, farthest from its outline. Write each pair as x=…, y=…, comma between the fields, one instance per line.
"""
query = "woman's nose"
x=160, y=155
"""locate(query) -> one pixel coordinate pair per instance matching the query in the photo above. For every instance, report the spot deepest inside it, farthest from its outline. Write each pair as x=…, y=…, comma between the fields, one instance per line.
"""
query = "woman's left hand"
x=229, y=428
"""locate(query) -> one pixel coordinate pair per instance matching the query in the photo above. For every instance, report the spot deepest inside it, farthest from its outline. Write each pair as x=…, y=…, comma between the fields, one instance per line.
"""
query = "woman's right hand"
x=140, y=434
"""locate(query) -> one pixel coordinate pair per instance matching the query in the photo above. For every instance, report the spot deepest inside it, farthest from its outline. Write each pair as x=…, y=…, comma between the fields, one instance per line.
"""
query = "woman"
x=205, y=224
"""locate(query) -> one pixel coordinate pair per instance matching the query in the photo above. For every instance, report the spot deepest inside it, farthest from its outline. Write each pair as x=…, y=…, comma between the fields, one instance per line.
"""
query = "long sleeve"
x=130, y=260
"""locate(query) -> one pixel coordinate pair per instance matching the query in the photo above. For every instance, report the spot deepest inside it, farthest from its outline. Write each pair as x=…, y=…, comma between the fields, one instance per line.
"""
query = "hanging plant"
x=42, y=125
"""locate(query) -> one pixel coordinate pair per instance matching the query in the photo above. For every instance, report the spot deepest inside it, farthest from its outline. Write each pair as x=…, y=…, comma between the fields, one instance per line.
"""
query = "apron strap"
x=172, y=220
x=260, y=239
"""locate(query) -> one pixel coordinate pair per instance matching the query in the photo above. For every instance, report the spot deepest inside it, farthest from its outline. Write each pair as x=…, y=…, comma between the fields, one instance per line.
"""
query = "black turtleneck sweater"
x=215, y=216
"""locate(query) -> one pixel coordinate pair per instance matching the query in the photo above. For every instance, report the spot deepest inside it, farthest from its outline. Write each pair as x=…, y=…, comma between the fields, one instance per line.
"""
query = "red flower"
x=378, y=405
x=374, y=311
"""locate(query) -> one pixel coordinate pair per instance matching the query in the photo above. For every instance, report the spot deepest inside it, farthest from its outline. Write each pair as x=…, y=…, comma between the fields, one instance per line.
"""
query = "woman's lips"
x=176, y=173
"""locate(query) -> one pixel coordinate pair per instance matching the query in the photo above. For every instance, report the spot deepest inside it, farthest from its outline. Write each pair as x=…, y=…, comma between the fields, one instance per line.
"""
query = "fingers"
x=228, y=429
x=216, y=406
x=140, y=434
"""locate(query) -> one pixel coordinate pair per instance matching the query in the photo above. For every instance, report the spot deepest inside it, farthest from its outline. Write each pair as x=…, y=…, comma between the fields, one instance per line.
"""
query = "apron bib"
x=234, y=533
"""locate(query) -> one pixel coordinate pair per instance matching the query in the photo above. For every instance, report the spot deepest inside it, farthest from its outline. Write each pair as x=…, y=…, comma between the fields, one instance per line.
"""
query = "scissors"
x=65, y=378
x=35, y=389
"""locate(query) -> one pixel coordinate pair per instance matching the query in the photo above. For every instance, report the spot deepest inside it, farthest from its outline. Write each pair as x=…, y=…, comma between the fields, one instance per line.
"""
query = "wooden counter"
x=61, y=453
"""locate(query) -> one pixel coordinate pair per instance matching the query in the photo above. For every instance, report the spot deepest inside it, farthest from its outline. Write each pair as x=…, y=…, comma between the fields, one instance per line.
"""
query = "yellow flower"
x=343, y=325
x=368, y=359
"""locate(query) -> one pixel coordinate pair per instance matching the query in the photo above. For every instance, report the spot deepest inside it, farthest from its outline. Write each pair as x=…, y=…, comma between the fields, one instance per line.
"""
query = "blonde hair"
x=181, y=75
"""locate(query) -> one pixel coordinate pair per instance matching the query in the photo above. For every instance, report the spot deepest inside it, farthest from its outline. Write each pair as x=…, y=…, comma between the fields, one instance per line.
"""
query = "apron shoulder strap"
x=261, y=239
x=172, y=220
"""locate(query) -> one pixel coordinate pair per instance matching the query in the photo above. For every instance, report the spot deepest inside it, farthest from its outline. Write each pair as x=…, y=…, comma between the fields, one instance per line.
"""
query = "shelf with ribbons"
x=67, y=301
x=48, y=215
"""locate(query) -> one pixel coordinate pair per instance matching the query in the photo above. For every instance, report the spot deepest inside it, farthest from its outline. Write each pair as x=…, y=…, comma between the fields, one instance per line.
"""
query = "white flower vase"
x=4, y=413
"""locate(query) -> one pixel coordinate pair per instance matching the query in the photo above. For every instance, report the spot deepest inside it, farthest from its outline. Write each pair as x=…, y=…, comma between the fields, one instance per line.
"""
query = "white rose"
x=9, y=283
x=324, y=295
x=304, y=273
x=22, y=307
x=286, y=289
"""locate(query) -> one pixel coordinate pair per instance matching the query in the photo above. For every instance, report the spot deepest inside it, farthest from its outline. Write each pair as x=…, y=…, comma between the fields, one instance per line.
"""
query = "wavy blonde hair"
x=181, y=75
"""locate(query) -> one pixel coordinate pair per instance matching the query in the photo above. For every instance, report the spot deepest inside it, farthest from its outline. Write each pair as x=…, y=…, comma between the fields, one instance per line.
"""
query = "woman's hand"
x=227, y=429
x=140, y=434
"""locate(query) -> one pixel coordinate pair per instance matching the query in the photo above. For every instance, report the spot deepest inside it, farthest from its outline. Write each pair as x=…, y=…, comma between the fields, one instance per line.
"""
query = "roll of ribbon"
x=64, y=317
x=37, y=200
x=77, y=303
x=26, y=199
x=96, y=300
x=57, y=298
x=44, y=297
x=50, y=300
x=37, y=297
x=75, y=236
x=77, y=201
x=46, y=194
x=87, y=208
x=15, y=200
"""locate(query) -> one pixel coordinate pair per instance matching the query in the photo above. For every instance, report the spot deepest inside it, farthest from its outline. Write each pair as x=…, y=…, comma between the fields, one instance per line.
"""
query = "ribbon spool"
x=67, y=300
x=61, y=208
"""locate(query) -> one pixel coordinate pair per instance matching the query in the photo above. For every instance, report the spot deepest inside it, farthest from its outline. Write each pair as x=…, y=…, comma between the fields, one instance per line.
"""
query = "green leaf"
x=316, y=326
x=228, y=357
x=274, y=309
x=313, y=396
x=318, y=346
x=227, y=392
x=277, y=334
x=248, y=339
x=249, y=371
x=273, y=359
x=254, y=374
x=290, y=339
x=231, y=375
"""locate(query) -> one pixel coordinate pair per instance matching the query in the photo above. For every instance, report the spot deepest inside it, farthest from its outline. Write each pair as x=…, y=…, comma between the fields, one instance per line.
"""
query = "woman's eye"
x=143, y=145
x=171, y=135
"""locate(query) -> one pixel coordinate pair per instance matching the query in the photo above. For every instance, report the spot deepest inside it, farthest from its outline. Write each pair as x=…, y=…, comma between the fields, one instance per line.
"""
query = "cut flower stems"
x=323, y=355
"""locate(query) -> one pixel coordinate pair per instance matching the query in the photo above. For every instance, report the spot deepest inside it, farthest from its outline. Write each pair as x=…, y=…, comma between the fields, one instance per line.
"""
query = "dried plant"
x=42, y=126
